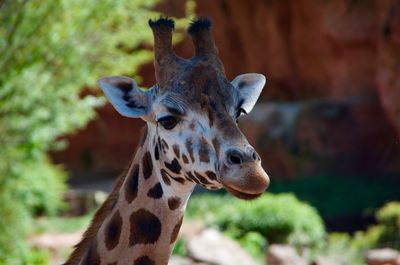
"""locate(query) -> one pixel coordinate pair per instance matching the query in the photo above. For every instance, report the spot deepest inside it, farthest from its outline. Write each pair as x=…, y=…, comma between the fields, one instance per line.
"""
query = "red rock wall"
x=309, y=49
x=388, y=61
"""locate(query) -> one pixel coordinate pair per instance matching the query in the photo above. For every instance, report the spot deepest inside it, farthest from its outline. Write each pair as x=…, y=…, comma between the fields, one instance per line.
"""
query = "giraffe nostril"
x=235, y=157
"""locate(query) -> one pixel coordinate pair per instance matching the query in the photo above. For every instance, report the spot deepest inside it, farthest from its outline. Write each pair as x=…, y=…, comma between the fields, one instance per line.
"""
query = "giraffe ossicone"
x=191, y=138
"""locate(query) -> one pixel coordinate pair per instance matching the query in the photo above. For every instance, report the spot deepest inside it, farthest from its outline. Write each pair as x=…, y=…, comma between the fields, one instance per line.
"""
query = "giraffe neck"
x=144, y=214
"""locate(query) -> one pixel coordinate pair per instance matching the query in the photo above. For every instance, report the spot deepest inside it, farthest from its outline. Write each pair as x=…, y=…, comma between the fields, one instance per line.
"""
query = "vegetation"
x=49, y=51
x=342, y=248
x=351, y=249
x=62, y=224
x=270, y=219
x=389, y=221
x=386, y=233
x=282, y=218
x=308, y=232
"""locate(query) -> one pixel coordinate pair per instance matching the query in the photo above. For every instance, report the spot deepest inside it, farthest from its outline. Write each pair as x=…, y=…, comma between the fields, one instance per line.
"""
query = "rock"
x=326, y=261
x=55, y=241
x=191, y=228
x=210, y=246
x=57, y=244
x=283, y=255
x=385, y=256
x=177, y=260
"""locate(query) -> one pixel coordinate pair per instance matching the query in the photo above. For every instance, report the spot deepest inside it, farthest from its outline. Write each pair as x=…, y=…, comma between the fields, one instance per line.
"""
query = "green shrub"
x=205, y=206
x=36, y=257
x=351, y=250
x=386, y=233
x=389, y=217
x=254, y=243
x=342, y=248
x=49, y=51
x=276, y=218
x=279, y=218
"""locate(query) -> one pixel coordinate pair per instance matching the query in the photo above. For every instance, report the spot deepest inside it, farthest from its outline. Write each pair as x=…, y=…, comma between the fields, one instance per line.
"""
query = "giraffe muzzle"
x=243, y=175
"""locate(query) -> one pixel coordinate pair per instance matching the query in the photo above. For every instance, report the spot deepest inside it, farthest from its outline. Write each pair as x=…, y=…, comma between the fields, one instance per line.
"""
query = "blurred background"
x=327, y=125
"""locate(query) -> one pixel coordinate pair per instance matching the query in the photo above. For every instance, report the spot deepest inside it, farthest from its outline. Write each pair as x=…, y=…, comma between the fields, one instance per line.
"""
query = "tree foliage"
x=49, y=51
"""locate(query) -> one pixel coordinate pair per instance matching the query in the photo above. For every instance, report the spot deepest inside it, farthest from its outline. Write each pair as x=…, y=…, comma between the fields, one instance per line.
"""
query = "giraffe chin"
x=242, y=195
x=247, y=182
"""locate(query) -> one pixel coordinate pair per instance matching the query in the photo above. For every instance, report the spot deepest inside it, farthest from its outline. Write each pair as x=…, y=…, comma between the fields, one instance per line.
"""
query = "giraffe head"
x=192, y=114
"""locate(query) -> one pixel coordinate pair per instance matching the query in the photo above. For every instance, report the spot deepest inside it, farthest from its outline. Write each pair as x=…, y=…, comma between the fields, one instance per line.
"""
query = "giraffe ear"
x=126, y=96
x=249, y=87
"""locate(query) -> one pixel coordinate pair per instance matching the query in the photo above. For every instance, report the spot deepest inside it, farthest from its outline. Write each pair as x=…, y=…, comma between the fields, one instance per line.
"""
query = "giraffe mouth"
x=243, y=195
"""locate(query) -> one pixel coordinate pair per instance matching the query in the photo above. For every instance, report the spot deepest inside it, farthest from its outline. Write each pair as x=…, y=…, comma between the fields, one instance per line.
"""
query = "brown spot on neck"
x=131, y=185
x=145, y=227
x=144, y=260
x=147, y=165
x=156, y=192
x=113, y=231
x=174, y=166
x=174, y=203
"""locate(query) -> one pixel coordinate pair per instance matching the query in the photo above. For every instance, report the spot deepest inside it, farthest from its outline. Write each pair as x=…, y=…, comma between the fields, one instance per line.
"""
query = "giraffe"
x=191, y=138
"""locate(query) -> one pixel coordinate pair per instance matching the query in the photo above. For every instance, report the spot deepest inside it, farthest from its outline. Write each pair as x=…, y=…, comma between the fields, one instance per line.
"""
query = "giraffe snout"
x=243, y=175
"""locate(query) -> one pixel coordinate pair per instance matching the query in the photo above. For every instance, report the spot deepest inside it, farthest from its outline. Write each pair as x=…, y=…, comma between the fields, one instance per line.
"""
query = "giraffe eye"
x=168, y=122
